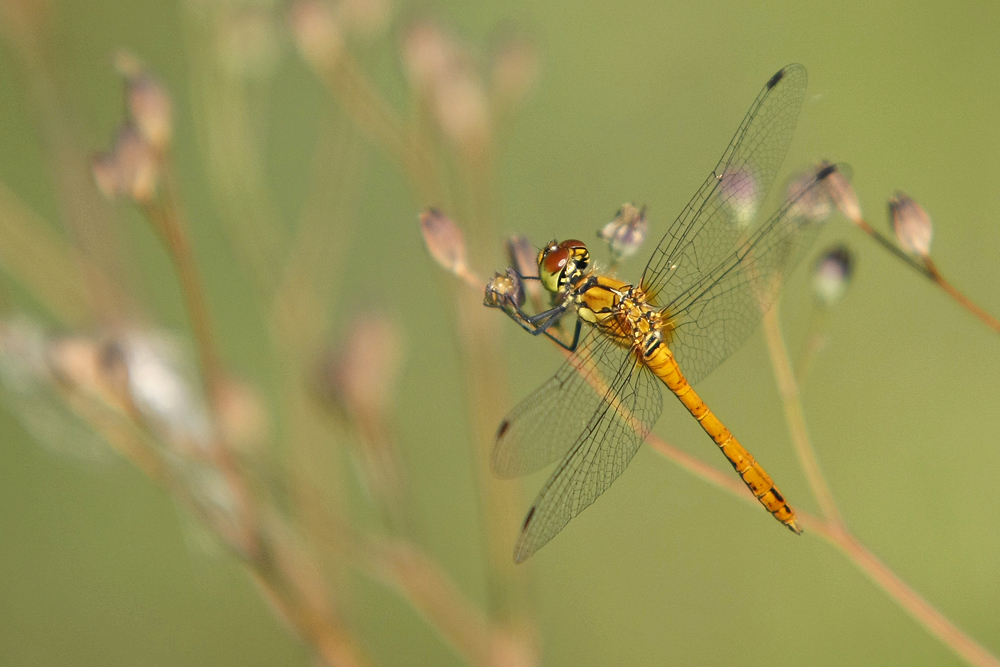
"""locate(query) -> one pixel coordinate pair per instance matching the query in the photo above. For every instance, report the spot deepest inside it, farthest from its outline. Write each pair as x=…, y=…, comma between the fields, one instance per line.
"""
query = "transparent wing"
x=541, y=428
x=718, y=311
x=601, y=450
x=714, y=226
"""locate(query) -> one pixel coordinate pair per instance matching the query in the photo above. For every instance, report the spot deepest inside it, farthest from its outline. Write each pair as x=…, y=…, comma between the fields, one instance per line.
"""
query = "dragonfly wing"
x=625, y=413
x=720, y=215
x=541, y=428
x=716, y=314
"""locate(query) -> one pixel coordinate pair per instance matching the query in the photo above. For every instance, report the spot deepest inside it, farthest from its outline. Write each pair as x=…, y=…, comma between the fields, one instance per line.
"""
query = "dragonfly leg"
x=545, y=323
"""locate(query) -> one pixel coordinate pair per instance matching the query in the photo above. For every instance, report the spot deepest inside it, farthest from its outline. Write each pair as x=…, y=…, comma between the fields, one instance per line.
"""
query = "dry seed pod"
x=912, y=225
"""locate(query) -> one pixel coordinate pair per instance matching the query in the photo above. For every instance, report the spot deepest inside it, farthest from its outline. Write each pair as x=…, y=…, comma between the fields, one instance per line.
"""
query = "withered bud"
x=359, y=377
x=912, y=225
x=159, y=382
x=77, y=364
x=504, y=290
x=317, y=33
x=462, y=109
x=444, y=240
x=148, y=104
x=842, y=193
x=241, y=414
x=522, y=256
x=626, y=233
x=129, y=170
x=248, y=44
x=514, y=70
x=810, y=200
x=740, y=192
x=832, y=274
x=427, y=53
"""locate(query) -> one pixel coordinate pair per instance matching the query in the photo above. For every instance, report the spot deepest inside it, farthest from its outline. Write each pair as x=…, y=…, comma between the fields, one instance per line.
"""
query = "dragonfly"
x=706, y=286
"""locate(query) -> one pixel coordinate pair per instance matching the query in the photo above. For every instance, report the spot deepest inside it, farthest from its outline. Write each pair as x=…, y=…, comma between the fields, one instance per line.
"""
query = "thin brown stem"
x=962, y=300
x=164, y=214
x=370, y=112
x=795, y=416
x=926, y=267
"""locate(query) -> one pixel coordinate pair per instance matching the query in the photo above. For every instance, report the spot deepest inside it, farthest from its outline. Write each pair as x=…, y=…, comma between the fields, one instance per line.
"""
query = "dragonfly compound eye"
x=552, y=266
x=559, y=264
x=578, y=253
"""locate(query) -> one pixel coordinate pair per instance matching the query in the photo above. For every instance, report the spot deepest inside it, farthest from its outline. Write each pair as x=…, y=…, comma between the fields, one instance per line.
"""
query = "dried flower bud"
x=522, y=256
x=427, y=54
x=159, y=385
x=148, y=104
x=627, y=232
x=514, y=71
x=504, y=290
x=76, y=363
x=444, y=240
x=832, y=274
x=248, y=43
x=809, y=200
x=241, y=414
x=912, y=225
x=130, y=169
x=462, y=109
x=360, y=376
x=317, y=33
x=842, y=193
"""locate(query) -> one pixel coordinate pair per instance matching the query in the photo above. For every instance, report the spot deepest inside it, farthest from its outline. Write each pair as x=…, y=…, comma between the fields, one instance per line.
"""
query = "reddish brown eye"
x=554, y=261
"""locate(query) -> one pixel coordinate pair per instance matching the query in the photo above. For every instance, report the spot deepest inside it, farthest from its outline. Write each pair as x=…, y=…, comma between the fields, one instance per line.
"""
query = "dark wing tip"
x=781, y=74
x=521, y=553
x=776, y=78
x=826, y=171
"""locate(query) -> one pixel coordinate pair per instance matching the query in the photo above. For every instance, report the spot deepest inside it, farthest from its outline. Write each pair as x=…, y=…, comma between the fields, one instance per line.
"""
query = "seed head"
x=444, y=240
x=504, y=290
x=810, y=201
x=832, y=274
x=359, y=377
x=129, y=170
x=317, y=33
x=626, y=233
x=514, y=71
x=427, y=53
x=912, y=225
x=842, y=193
x=147, y=102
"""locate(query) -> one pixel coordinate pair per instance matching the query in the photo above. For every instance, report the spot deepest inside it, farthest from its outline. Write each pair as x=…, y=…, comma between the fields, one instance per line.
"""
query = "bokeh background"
x=633, y=102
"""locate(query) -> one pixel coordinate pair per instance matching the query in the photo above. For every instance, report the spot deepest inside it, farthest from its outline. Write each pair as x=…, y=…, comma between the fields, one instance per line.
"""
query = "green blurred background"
x=635, y=102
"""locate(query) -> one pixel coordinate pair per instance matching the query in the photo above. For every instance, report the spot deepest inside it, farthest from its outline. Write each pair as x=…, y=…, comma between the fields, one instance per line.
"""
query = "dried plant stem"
x=926, y=267
x=962, y=300
x=403, y=566
x=332, y=641
x=366, y=108
x=832, y=527
x=164, y=214
x=795, y=416
x=912, y=602
x=43, y=262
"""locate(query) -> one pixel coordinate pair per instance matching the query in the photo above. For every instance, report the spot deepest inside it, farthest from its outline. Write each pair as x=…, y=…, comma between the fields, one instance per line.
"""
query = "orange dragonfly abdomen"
x=662, y=363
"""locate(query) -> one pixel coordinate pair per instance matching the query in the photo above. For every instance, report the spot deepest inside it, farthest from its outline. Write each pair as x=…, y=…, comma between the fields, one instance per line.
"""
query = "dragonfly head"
x=559, y=264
